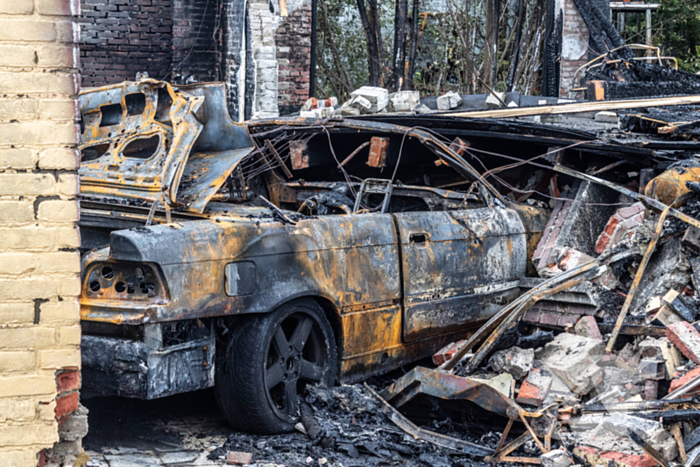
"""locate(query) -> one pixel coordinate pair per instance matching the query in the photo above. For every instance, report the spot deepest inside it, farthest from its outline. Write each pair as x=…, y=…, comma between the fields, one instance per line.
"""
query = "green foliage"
x=676, y=28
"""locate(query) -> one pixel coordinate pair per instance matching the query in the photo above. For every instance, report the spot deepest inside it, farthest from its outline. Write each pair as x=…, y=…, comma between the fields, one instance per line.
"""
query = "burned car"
x=259, y=258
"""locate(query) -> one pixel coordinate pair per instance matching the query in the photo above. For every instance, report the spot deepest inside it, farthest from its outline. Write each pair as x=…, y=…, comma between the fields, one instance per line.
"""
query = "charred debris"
x=595, y=361
x=598, y=361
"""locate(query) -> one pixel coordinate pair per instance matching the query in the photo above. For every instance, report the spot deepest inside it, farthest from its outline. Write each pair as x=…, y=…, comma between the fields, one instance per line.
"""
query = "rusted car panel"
x=317, y=257
x=137, y=139
x=459, y=267
x=225, y=232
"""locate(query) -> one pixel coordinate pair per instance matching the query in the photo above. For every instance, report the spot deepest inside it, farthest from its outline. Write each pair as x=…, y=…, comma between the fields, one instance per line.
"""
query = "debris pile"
x=614, y=382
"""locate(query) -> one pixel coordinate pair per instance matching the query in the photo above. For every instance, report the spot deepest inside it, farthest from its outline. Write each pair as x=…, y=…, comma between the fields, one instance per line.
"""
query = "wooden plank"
x=283, y=8
x=638, y=278
x=578, y=107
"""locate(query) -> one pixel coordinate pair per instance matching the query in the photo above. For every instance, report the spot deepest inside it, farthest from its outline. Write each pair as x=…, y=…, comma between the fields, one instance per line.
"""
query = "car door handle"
x=418, y=238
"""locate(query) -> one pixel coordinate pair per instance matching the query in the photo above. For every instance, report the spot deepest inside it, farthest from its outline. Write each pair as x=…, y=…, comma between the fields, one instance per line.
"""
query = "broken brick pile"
x=626, y=397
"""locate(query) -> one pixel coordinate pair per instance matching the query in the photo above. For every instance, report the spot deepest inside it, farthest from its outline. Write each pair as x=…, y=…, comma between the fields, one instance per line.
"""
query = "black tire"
x=257, y=382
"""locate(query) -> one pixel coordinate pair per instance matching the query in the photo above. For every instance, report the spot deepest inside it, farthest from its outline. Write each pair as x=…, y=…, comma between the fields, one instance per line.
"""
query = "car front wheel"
x=269, y=360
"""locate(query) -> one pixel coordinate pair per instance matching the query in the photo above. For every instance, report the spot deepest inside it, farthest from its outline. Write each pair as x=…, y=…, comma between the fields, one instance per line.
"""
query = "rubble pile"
x=614, y=382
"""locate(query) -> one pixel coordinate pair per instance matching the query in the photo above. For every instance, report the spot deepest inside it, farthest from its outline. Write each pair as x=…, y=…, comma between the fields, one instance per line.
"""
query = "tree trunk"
x=515, y=58
x=373, y=57
x=490, y=64
x=414, y=44
x=399, y=58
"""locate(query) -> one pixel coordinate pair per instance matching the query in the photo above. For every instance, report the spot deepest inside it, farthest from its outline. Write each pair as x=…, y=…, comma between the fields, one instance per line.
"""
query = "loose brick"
x=611, y=458
x=686, y=338
x=16, y=109
x=535, y=388
x=680, y=380
x=55, y=210
x=66, y=312
x=239, y=458
x=26, y=289
x=17, y=313
x=69, y=335
x=35, y=133
x=62, y=8
x=447, y=352
x=62, y=83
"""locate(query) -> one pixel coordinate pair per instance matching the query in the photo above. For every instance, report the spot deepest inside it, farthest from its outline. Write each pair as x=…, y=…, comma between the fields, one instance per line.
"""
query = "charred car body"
x=259, y=258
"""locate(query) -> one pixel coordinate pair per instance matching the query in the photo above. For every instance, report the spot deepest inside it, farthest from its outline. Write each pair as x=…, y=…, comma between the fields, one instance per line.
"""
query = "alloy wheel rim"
x=296, y=356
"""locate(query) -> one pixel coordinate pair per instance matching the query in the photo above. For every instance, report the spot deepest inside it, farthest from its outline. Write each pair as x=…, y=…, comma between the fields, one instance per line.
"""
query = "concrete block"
x=662, y=347
x=588, y=327
x=535, y=388
x=502, y=383
x=651, y=431
x=651, y=369
x=403, y=101
x=556, y=458
x=515, y=361
x=573, y=359
x=450, y=100
x=360, y=103
x=423, y=109
x=494, y=100
x=377, y=97
x=686, y=338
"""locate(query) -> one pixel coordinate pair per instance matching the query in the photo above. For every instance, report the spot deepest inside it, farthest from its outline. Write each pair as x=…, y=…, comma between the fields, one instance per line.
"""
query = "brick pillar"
x=39, y=260
x=293, y=39
x=574, y=49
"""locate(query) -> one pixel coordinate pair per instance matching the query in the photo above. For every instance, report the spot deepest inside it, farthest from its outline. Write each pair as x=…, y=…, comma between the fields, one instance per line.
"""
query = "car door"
x=458, y=267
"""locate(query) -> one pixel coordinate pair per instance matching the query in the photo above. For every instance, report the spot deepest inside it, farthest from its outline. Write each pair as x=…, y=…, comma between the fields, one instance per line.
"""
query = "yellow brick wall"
x=39, y=261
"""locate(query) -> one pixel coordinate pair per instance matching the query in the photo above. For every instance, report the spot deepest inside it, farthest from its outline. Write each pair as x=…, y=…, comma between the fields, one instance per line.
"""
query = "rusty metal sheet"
x=443, y=385
x=136, y=140
x=377, y=152
x=147, y=140
x=459, y=267
x=299, y=154
x=204, y=175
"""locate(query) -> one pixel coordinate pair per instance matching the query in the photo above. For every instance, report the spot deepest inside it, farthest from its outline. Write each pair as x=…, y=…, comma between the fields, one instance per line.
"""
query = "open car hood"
x=147, y=141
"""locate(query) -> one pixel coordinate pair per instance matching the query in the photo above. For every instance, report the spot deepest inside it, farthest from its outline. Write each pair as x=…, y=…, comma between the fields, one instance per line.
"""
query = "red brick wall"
x=293, y=41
